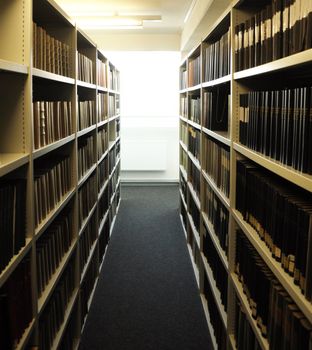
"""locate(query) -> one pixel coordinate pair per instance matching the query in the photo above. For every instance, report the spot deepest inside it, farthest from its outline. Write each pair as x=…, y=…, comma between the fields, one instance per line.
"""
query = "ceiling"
x=172, y=12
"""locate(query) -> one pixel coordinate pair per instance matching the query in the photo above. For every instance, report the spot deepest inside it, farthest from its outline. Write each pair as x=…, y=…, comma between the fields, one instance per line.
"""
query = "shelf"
x=55, y=278
x=12, y=161
x=13, y=67
x=53, y=213
x=183, y=172
x=87, y=219
x=112, y=225
x=91, y=253
x=215, y=291
x=103, y=156
x=194, y=124
x=302, y=180
x=100, y=194
x=219, y=81
x=16, y=259
x=86, y=85
x=86, y=130
x=182, y=144
x=218, y=192
x=183, y=200
x=183, y=228
x=68, y=312
x=245, y=305
x=292, y=61
x=86, y=175
x=52, y=146
x=92, y=293
x=210, y=328
x=102, y=122
x=195, y=268
x=195, y=232
x=221, y=136
x=114, y=168
x=215, y=241
x=26, y=335
x=111, y=91
x=103, y=221
x=113, y=117
x=287, y=281
x=102, y=88
x=183, y=91
x=194, y=195
x=194, y=160
x=38, y=73
x=183, y=119
x=194, y=88
x=232, y=342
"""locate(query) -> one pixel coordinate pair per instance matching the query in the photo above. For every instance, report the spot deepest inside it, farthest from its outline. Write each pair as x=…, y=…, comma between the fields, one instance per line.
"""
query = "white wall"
x=149, y=114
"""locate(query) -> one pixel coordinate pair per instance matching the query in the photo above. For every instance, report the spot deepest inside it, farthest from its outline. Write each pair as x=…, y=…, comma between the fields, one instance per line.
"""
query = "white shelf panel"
x=54, y=279
x=288, y=173
x=195, y=268
x=215, y=291
x=102, y=88
x=86, y=85
x=12, y=161
x=215, y=241
x=244, y=302
x=195, y=232
x=222, y=80
x=110, y=119
x=13, y=263
x=287, y=281
x=87, y=219
x=51, y=76
x=53, y=213
x=183, y=228
x=194, y=124
x=91, y=253
x=183, y=172
x=102, y=189
x=182, y=144
x=86, y=130
x=111, y=91
x=86, y=175
x=13, y=67
x=194, y=195
x=183, y=199
x=221, y=136
x=183, y=91
x=194, y=88
x=102, y=122
x=52, y=146
x=103, y=156
x=285, y=63
x=92, y=293
x=194, y=160
x=210, y=328
x=183, y=119
x=217, y=191
x=103, y=221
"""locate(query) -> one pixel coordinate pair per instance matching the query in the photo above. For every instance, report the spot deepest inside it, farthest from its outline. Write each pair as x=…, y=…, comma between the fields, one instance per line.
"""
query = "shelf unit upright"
x=213, y=245
x=60, y=144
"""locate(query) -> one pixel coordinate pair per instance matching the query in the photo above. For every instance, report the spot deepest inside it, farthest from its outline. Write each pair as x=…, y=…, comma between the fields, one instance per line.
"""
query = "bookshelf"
x=59, y=173
x=249, y=89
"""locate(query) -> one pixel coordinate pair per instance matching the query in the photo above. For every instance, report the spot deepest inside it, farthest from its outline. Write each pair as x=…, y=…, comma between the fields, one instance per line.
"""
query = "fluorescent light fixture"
x=90, y=27
x=187, y=16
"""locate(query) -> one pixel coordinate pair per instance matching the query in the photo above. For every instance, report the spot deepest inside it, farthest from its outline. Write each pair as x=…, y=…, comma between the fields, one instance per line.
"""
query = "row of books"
x=280, y=29
x=70, y=337
x=217, y=215
x=87, y=197
x=217, y=58
x=51, y=248
x=103, y=204
x=102, y=107
x=218, y=270
x=183, y=214
x=194, y=71
x=86, y=156
x=214, y=315
x=102, y=141
x=52, y=182
x=194, y=178
x=50, y=54
x=183, y=106
x=113, y=156
x=183, y=186
x=15, y=305
x=114, y=180
x=52, y=121
x=103, y=240
x=215, y=109
x=85, y=69
x=111, y=106
x=281, y=215
x=183, y=79
x=194, y=108
x=194, y=213
x=101, y=73
x=216, y=163
x=103, y=173
x=114, y=79
x=244, y=335
x=183, y=158
x=53, y=315
x=194, y=142
x=183, y=132
x=278, y=124
x=86, y=114
x=12, y=218
x=86, y=240
x=278, y=318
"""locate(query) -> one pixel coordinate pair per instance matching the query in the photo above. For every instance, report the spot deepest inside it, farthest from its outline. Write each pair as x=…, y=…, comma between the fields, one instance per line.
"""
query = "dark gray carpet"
x=147, y=296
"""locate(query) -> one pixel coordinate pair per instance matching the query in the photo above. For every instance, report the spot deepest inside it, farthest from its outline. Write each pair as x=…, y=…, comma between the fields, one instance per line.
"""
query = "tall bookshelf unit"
x=254, y=282
x=59, y=168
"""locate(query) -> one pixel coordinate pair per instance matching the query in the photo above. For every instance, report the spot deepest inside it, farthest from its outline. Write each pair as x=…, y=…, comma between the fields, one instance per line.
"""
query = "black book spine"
x=286, y=27
x=257, y=39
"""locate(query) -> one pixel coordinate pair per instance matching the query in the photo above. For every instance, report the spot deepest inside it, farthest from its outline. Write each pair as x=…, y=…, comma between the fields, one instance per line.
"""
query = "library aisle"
x=147, y=296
